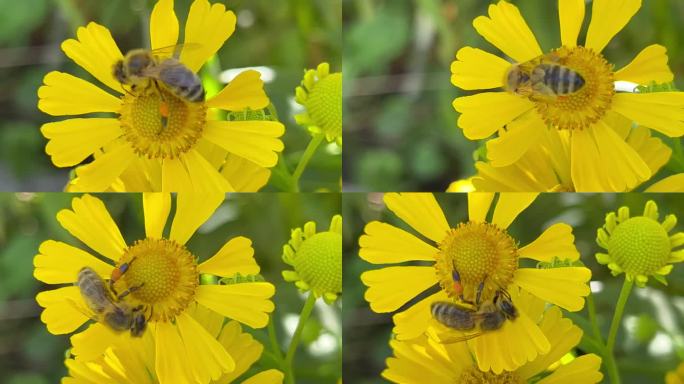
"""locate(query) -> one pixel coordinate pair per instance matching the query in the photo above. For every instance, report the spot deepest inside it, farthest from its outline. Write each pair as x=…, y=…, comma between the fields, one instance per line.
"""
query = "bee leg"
x=123, y=268
x=478, y=296
x=163, y=115
x=128, y=291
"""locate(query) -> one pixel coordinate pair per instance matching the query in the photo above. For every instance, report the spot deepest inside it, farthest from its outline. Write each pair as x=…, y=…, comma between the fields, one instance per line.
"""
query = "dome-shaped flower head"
x=321, y=94
x=582, y=100
x=469, y=262
x=424, y=360
x=317, y=259
x=153, y=138
x=640, y=246
x=160, y=275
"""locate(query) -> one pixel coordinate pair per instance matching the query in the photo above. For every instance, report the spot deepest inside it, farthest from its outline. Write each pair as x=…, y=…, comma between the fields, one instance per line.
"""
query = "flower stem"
x=303, y=317
x=592, y=317
x=273, y=337
x=304, y=160
x=614, y=327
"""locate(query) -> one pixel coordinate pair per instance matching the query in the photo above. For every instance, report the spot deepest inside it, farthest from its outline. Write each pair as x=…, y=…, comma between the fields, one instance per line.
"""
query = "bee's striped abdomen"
x=452, y=316
x=561, y=80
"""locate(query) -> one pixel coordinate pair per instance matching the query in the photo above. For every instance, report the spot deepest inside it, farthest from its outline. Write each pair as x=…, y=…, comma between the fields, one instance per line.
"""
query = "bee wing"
x=175, y=50
x=83, y=310
x=450, y=339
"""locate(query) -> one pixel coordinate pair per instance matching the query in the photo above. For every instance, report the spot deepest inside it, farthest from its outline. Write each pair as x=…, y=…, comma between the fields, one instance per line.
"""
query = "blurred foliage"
x=650, y=342
x=29, y=354
x=287, y=36
x=400, y=127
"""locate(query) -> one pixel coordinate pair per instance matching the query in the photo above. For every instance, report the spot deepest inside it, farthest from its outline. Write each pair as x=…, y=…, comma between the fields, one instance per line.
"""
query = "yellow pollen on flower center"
x=475, y=376
x=476, y=253
x=159, y=124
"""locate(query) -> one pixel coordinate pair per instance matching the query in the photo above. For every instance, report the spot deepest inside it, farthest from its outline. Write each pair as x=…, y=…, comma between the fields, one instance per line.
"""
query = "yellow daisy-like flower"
x=473, y=258
x=640, y=246
x=423, y=360
x=156, y=140
x=132, y=361
x=676, y=376
x=600, y=158
x=321, y=94
x=162, y=276
x=317, y=259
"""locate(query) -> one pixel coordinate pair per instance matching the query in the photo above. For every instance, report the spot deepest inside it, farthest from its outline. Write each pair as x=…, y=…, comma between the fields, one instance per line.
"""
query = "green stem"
x=614, y=327
x=303, y=317
x=304, y=160
x=592, y=318
x=272, y=336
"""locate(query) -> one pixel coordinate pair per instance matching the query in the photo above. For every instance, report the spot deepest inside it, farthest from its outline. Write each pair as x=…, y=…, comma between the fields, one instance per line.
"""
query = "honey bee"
x=543, y=78
x=140, y=67
x=107, y=309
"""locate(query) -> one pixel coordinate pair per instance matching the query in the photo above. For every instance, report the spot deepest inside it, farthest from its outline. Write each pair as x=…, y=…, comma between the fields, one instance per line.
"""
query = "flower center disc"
x=580, y=109
x=640, y=245
x=475, y=376
x=319, y=262
x=478, y=253
x=325, y=104
x=159, y=124
x=161, y=273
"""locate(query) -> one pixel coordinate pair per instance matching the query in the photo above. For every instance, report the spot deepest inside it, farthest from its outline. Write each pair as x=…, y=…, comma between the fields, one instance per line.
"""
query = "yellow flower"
x=317, y=259
x=674, y=183
x=162, y=276
x=423, y=360
x=640, y=246
x=592, y=117
x=676, y=376
x=321, y=94
x=133, y=360
x=155, y=140
x=473, y=256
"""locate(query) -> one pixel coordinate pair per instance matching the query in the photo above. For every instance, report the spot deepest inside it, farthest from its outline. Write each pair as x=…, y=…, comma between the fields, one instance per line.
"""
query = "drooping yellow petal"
x=60, y=315
x=208, y=26
x=175, y=177
x=163, y=25
x=477, y=69
x=608, y=17
x=242, y=346
x=420, y=360
x=565, y=286
x=413, y=322
x=96, y=52
x=64, y=94
x=203, y=176
x=390, y=288
x=71, y=141
x=556, y=241
x=244, y=175
x=236, y=256
x=156, y=207
x=571, y=16
x=170, y=363
x=257, y=141
x=205, y=354
x=662, y=111
x=421, y=212
x=246, y=90
x=271, y=376
x=509, y=206
x=386, y=244
x=651, y=149
x=59, y=263
x=477, y=118
x=507, y=179
x=627, y=168
x=586, y=168
x=248, y=303
x=192, y=210
x=674, y=183
x=650, y=65
x=478, y=206
x=514, y=141
x=90, y=222
x=583, y=369
x=506, y=29
x=92, y=343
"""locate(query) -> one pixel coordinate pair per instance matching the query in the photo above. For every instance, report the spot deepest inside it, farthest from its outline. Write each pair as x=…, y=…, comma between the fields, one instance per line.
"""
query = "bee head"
x=138, y=325
x=503, y=300
x=136, y=62
x=118, y=319
x=516, y=78
x=119, y=73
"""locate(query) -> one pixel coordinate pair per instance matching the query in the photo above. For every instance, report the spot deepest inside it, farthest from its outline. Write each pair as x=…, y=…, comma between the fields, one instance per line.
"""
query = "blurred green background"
x=400, y=127
x=31, y=355
x=650, y=341
x=285, y=36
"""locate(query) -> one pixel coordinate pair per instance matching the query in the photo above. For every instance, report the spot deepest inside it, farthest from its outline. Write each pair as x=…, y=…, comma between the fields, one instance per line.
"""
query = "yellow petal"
x=60, y=315
x=71, y=141
x=583, y=369
x=485, y=113
x=205, y=354
x=477, y=69
x=246, y=90
x=96, y=52
x=271, y=376
x=424, y=361
x=385, y=244
x=236, y=256
x=248, y=303
x=565, y=287
x=506, y=29
x=171, y=364
x=203, y=176
x=509, y=206
x=413, y=322
x=650, y=65
x=514, y=141
x=156, y=207
x=651, y=149
x=193, y=210
x=163, y=25
x=90, y=222
x=244, y=175
x=175, y=177
x=509, y=179
x=608, y=17
x=209, y=26
x=257, y=141
x=390, y=288
x=242, y=346
x=59, y=263
x=103, y=172
x=571, y=16
x=92, y=343
x=556, y=241
x=674, y=183
x=586, y=167
x=662, y=111
x=421, y=212
x=65, y=94
x=478, y=206
x=627, y=168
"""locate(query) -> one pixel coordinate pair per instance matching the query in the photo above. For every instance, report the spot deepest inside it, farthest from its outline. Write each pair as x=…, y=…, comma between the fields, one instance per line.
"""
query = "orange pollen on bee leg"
x=163, y=109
